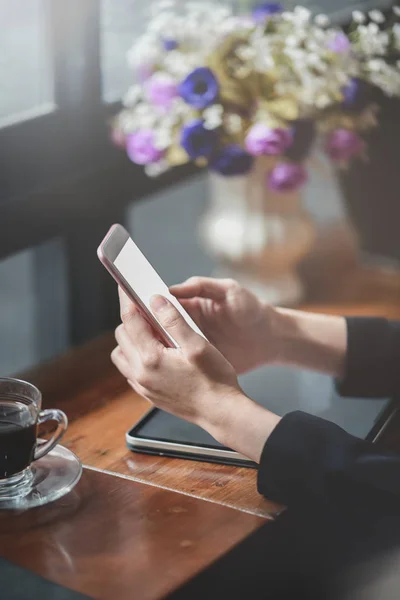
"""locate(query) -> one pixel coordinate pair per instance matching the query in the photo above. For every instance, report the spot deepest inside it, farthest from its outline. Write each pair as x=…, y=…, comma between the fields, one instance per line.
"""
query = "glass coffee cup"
x=20, y=417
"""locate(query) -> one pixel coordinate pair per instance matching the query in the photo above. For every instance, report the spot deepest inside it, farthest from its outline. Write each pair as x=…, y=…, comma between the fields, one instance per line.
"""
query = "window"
x=121, y=21
x=33, y=311
x=26, y=88
x=52, y=123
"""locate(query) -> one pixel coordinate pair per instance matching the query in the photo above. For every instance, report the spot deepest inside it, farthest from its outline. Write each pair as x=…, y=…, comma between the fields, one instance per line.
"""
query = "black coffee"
x=17, y=436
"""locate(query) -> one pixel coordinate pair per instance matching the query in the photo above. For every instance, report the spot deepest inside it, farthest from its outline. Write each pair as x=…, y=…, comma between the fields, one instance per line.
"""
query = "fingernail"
x=158, y=303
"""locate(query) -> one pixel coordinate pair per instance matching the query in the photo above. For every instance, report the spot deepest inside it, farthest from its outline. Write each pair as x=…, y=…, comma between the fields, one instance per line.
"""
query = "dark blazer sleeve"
x=309, y=461
x=372, y=367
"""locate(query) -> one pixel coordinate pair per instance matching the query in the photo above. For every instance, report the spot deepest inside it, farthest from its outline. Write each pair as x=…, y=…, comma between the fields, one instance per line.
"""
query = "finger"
x=119, y=360
x=193, y=308
x=127, y=307
x=173, y=322
x=127, y=347
x=138, y=329
x=202, y=287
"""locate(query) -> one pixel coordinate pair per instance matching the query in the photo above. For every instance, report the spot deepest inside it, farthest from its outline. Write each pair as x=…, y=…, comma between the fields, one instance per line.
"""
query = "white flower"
x=292, y=41
x=376, y=65
x=287, y=16
x=320, y=35
x=127, y=122
x=322, y=20
x=179, y=64
x=358, y=16
x=388, y=79
x=313, y=46
x=146, y=51
x=179, y=108
x=162, y=138
x=241, y=22
x=322, y=101
x=373, y=28
x=297, y=55
x=132, y=96
x=371, y=41
x=396, y=10
x=377, y=16
x=246, y=52
x=145, y=115
x=315, y=61
x=233, y=123
x=142, y=109
x=212, y=116
x=302, y=14
x=156, y=169
x=264, y=60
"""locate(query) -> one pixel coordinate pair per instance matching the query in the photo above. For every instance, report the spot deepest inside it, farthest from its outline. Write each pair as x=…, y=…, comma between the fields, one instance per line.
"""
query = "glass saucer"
x=52, y=477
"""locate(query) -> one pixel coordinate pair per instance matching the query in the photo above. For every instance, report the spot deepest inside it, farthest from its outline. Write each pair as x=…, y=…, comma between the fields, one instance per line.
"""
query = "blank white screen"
x=145, y=281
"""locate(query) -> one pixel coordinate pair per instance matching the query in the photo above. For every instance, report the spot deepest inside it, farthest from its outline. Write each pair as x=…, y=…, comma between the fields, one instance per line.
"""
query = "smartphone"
x=139, y=280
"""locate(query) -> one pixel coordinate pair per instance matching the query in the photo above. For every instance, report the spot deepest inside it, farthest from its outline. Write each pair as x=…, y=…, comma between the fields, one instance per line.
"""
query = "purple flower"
x=263, y=140
x=340, y=44
x=141, y=149
x=198, y=141
x=343, y=144
x=356, y=94
x=170, y=44
x=200, y=88
x=287, y=177
x=264, y=10
x=161, y=89
x=351, y=91
x=232, y=160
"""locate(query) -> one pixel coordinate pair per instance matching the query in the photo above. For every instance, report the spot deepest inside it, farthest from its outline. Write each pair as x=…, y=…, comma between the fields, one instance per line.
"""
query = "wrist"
x=311, y=341
x=280, y=331
x=241, y=424
x=288, y=336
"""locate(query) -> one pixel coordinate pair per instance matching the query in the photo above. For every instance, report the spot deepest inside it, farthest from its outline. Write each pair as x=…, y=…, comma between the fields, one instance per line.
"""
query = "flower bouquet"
x=221, y=89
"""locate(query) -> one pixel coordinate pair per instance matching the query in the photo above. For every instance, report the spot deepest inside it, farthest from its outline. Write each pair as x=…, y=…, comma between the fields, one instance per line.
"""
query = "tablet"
x=280, y=389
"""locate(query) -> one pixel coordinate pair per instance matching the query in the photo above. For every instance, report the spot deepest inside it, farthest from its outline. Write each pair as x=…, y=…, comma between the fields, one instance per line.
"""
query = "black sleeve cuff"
x=373, y=348
x=308, y=461
x=292, y=467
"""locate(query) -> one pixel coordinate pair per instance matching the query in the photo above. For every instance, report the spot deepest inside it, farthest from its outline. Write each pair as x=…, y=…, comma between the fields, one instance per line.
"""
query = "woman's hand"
x=249, y=333
x=190, y=382
x=233, y=319
x=194, y=382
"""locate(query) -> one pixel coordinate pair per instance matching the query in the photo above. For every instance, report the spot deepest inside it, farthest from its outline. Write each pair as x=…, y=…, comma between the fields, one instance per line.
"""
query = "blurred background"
x=63, y=183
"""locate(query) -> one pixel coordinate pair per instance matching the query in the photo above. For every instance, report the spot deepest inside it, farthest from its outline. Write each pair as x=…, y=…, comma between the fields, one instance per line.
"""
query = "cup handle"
x=51, y=414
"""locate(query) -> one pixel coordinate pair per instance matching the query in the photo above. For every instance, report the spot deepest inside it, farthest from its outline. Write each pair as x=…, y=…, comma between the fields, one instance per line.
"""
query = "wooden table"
x=114, y=538
x=131, y=513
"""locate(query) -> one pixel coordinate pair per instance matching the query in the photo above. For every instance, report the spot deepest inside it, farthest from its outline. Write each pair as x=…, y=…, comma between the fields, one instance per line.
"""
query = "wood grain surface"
x=101, y=407
x=114, y=538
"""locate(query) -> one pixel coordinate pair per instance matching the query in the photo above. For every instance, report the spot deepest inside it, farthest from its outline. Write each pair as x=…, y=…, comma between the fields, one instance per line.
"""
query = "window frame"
x=75, y=183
